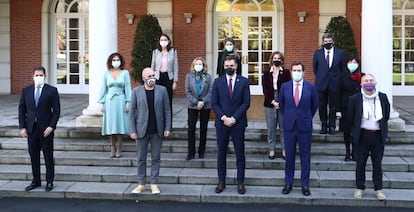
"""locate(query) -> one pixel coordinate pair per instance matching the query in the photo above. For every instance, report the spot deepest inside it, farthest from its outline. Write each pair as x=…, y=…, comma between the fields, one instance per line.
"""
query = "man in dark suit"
x=369, y=112
x=39, y=111
x=298, y=101
x=328, y=64
x=230, y=101
x=149, y=122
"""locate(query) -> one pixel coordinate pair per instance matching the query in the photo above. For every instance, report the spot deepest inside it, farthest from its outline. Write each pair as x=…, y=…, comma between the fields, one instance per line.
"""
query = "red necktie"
x=297, y=94
x=327, y=58
x=230, y=87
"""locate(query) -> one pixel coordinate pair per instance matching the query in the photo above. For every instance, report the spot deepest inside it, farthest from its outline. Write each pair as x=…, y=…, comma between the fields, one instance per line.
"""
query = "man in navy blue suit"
x=230, y=101
x=298, y=101
x=328, y=64
x=39, y=111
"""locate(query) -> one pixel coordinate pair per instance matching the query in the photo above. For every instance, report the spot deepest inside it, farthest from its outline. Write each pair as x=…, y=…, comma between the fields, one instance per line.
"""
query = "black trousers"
x=37, y=142
x=192, y=121
x=370, y=144
x=326, y=98
x=167, y=83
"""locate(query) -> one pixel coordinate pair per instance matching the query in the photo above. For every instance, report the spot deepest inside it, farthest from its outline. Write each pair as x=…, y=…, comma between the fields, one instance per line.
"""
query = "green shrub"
x=343, y=35
x=146, y=38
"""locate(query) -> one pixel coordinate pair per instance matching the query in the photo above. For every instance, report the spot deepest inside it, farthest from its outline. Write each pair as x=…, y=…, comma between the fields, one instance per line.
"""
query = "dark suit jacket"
x=47, y=111
x=355, y=115
x=346, y=87
x=304, y=112
x=139, y=112
x=236, y=105
x=325, y=77
x=268, y=90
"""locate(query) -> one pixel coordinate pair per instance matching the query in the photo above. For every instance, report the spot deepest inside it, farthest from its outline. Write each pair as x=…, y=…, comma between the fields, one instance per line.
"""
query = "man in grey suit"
x=149, y=121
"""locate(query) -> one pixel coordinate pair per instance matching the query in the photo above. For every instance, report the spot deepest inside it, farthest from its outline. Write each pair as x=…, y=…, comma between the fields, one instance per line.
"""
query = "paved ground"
x=72, y=106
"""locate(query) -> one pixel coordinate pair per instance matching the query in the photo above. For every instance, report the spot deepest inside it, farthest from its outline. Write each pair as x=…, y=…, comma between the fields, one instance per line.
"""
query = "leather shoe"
x=201, y=156
x=241, y=189
x=32, y=186
x=324, y=130
x=287, y=189
x=49, y=187
x=331, y=130
x=220, y=187
x=306, y=191
x=190, y=157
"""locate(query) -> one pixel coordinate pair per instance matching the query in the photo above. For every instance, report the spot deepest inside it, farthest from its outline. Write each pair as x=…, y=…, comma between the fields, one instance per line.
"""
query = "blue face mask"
x=198, y=68
x=116, y=64
x=297, y=76
x=229, y=48
x=352, y=67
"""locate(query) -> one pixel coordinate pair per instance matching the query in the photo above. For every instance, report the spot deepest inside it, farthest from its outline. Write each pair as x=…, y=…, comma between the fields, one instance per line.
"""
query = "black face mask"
x=229, y=71
x=277, y=62
x=328, y=45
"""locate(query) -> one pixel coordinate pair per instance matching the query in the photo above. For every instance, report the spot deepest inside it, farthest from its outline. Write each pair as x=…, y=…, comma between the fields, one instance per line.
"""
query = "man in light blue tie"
x=39, y=110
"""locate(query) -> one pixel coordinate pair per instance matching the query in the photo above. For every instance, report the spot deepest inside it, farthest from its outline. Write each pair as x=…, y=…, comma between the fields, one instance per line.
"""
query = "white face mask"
x=229, y=48
x=150, y=82
x=198, y=68
x=116, y=64
x=297, y=76
x=38, y=81
x=163, y=43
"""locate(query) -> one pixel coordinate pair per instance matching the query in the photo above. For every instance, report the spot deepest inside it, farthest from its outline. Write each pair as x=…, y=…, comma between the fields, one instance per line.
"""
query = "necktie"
x=37, y=95
x=327, y=58
x=297, y=94
x=230, y=87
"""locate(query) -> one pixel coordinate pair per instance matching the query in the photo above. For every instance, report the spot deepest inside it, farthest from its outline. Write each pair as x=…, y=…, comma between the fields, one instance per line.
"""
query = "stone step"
x=252, y=134
x=180, y=146
x=396, y=198
x=177, y=160
x=206, y=176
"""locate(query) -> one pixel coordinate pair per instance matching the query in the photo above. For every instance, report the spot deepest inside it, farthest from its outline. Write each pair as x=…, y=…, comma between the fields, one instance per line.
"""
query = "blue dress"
x=115, y=96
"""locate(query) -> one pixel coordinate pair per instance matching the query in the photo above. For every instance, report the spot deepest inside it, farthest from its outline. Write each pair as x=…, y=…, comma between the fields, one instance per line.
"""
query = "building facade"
x=72, y=38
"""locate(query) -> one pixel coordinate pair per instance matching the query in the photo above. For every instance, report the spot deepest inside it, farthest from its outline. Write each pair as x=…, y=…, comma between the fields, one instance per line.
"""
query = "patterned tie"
x=37, y=95
x=230, y=87
x=327, y=58
x=297, y=94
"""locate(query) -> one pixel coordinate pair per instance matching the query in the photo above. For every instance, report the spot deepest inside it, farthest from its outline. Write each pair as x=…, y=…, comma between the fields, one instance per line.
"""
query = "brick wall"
x=126, y=32
x=25, y=37
x=353, y=15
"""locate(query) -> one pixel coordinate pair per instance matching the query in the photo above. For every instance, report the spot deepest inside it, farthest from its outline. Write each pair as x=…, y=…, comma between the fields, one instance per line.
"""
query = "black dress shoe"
x=49, y=187
x=32, y=186
x=241, y=189
x=331, y=130
x=306, y=191
x=287, y=189
x=272, y=157
x=324, y=130
x=220, y=187
x=201, y=156
x=347, y=159
x=190, y=157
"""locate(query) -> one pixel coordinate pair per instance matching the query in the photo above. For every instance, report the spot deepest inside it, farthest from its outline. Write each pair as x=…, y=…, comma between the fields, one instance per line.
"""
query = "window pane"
x=409, y=67
x=397, y=32
x=409, y=44
x=409, y=79
x=396, y=68
x=267, y=5
x=396, y=44
x=396, y=56
x=409, y=31
x=396, y=79
x=409, y=5
x=266, y=21
x=223, y=5
x=236, y=23
x=396, y=20
x=245, y=5
x=397, y=4
x=409, y=56
x=409, y=20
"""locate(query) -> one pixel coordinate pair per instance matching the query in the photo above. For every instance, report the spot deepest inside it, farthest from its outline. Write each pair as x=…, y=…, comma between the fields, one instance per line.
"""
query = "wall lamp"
x=301, y=16
x=130, y=18
x=188, y=17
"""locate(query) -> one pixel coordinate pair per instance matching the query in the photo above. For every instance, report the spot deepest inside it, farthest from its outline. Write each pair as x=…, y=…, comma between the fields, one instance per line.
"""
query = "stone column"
x=377, y=50
x=103, y=41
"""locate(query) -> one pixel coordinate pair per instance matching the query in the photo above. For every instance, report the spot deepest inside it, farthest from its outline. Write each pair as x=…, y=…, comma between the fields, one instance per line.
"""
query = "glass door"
x=71, y=61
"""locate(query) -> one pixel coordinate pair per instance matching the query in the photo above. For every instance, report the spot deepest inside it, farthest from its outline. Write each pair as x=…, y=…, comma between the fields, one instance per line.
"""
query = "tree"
x=343, y=35
x=146, y=38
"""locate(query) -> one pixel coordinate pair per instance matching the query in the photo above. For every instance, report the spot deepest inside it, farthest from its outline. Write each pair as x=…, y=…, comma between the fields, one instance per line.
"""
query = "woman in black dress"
x=348, y=84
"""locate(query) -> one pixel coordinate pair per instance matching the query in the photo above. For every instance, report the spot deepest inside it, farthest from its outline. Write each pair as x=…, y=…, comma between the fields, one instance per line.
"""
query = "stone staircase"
x=84, y=170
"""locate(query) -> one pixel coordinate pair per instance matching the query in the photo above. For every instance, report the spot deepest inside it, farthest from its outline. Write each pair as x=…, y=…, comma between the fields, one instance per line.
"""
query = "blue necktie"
x=37, y=95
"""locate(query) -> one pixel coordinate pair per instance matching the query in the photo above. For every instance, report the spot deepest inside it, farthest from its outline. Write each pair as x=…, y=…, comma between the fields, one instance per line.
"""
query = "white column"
x=103, y=41
x=377, y=49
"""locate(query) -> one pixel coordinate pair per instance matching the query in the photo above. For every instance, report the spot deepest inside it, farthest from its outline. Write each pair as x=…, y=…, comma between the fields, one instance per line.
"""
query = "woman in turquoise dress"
x=115, y=96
